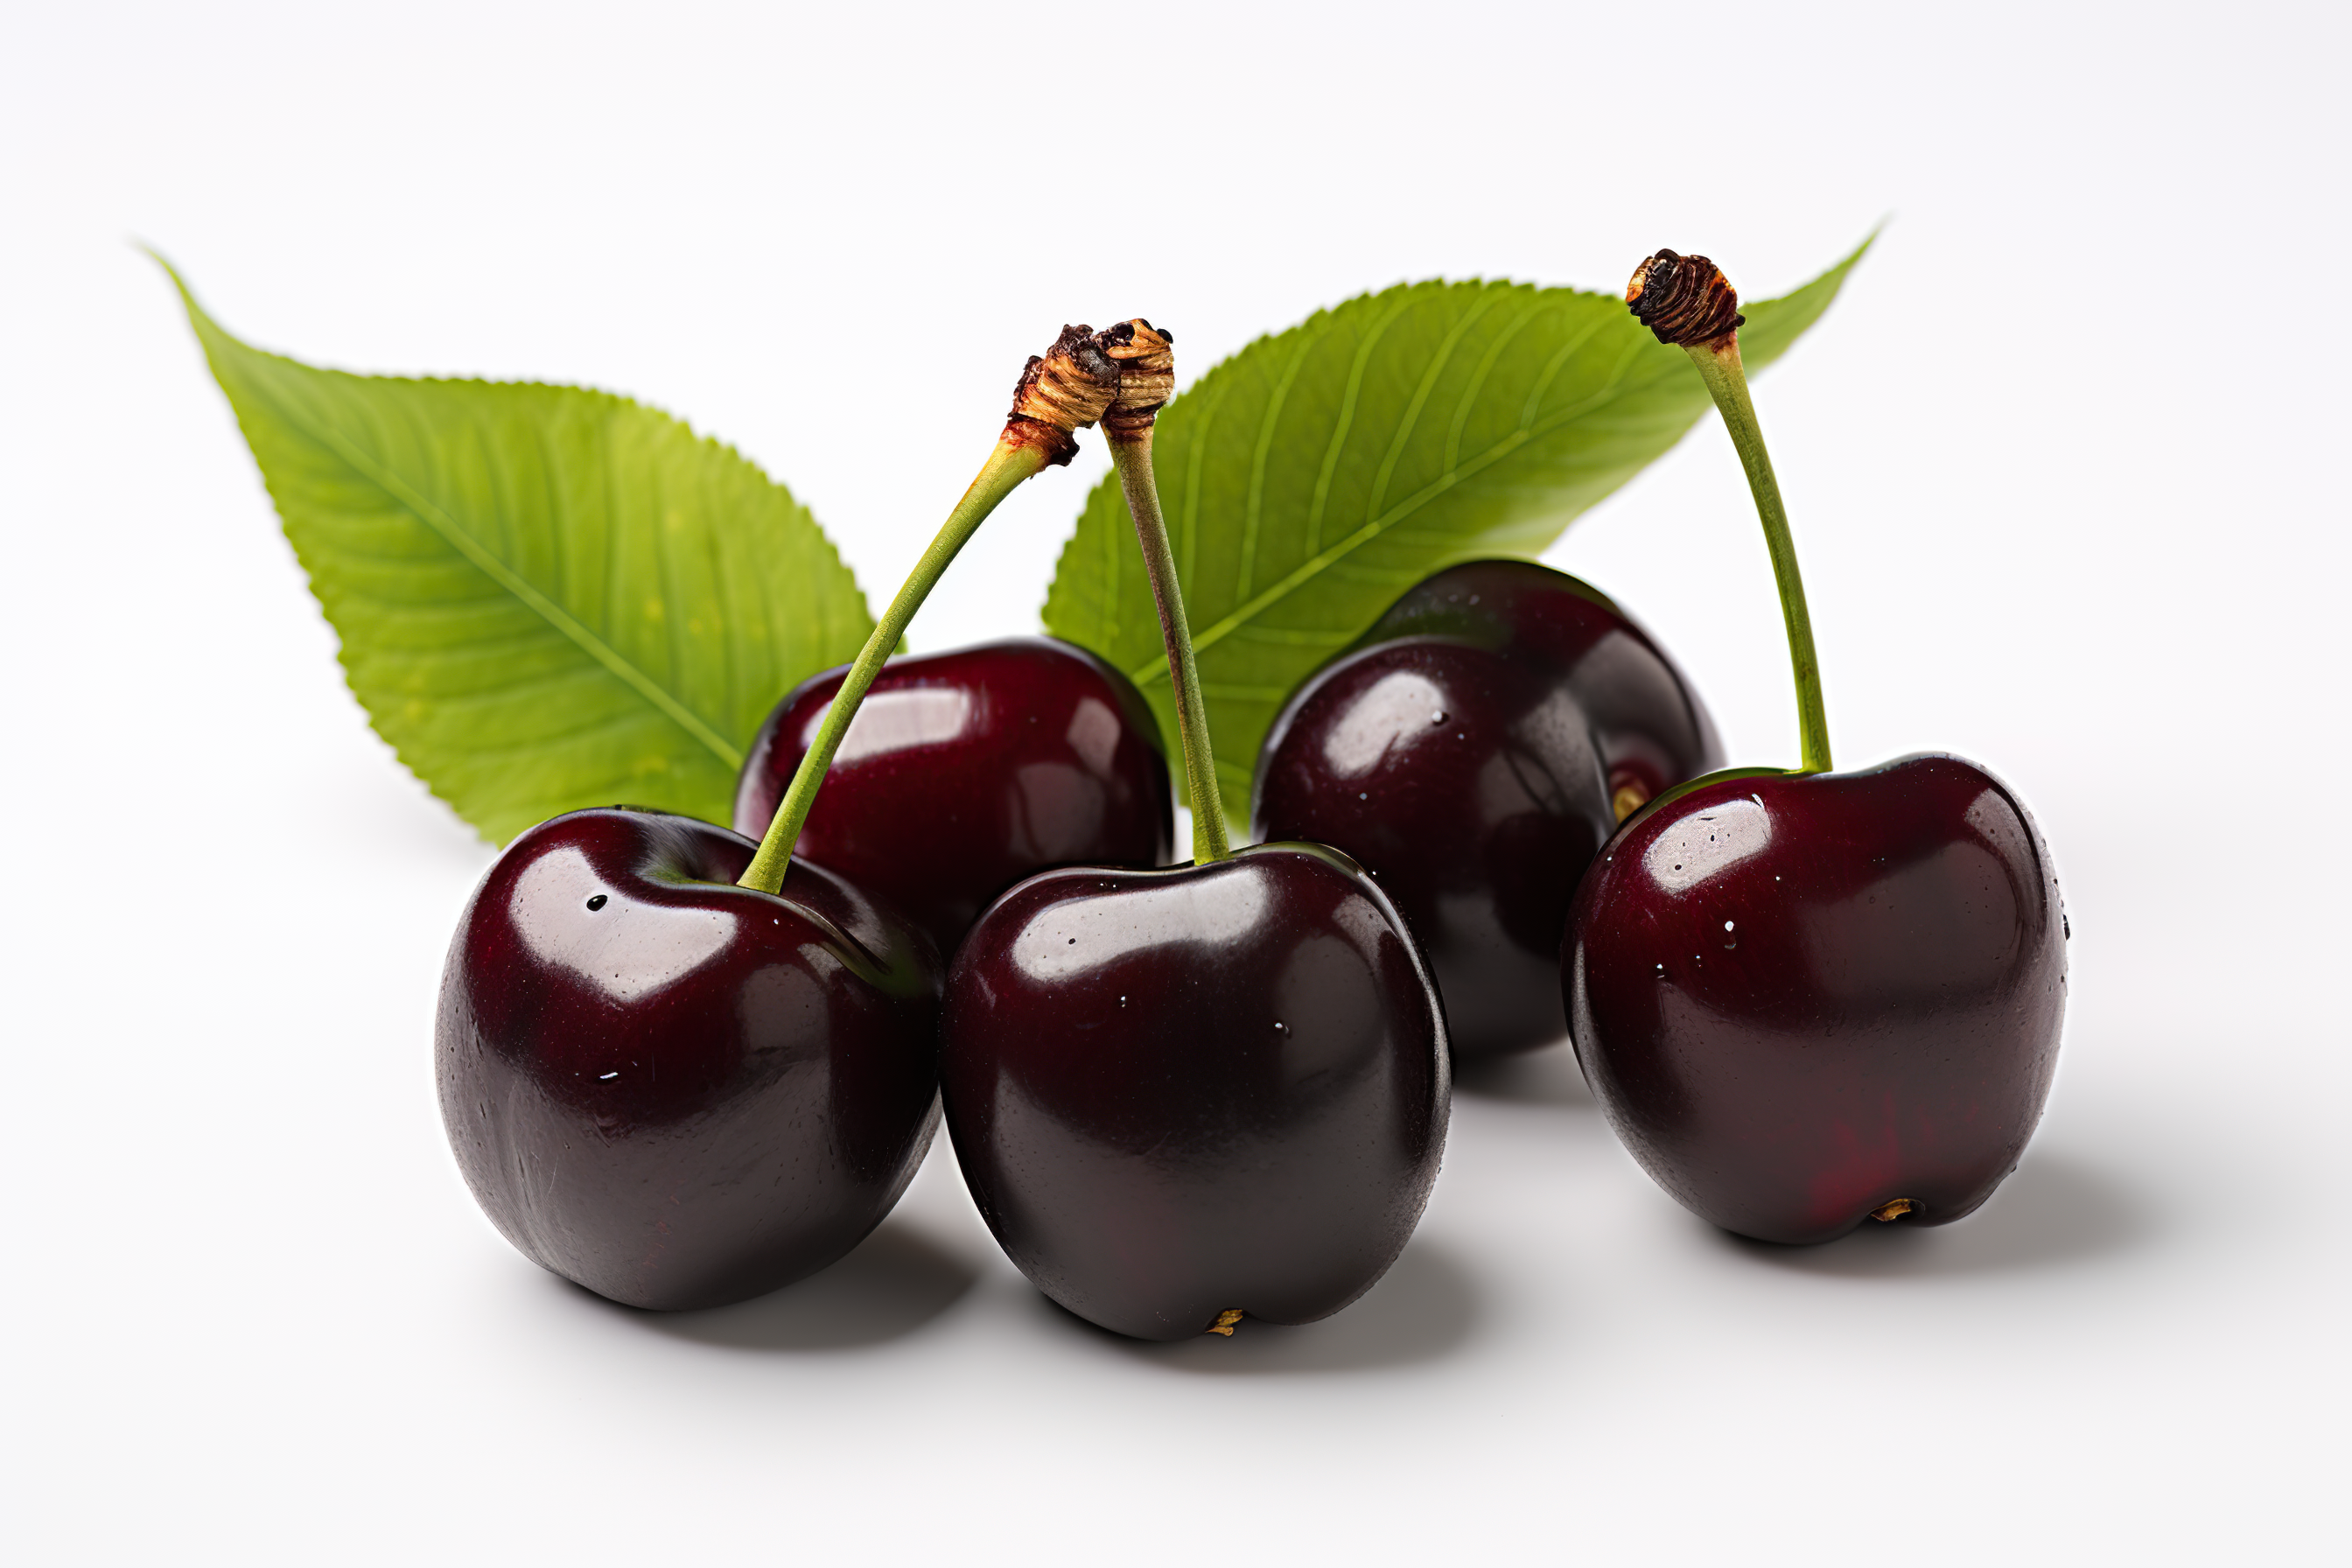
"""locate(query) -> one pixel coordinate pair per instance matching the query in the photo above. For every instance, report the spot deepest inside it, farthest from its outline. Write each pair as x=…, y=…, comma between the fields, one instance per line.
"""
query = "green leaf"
x=1319, y=473
x=547, y=597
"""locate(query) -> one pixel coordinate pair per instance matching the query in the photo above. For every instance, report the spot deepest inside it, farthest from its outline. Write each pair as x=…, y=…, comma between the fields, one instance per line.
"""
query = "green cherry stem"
x=1059, y=391
x=1687, y=301
x=1147, y=376
x=1133, y=460
x=1003, y=474
x=1727, y=381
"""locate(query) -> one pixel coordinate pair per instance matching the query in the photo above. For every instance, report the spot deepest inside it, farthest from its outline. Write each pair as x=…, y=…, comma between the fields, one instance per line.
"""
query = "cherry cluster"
x=683, y=1065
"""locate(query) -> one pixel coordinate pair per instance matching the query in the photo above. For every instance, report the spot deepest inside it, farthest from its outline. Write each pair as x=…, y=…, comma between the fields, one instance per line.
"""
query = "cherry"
x=1186, y=1095
x=1473, y=751
x=673, y=1090
x=1802, y=1000
x=1647, y=721
x=1181, y=1095
x=666, y=1076
x=966, y=770
x=1808, y=999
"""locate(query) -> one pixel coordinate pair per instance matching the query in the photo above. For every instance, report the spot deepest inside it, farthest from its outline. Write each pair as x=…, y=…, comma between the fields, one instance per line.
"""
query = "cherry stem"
x=1006, y=468
x=1717, y=359
x=1133, y=456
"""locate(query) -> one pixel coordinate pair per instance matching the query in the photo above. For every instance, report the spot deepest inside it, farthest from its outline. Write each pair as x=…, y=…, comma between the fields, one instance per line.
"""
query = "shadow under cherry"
x=891, y=1284
x=1547, y=1077
x=2056, y=1211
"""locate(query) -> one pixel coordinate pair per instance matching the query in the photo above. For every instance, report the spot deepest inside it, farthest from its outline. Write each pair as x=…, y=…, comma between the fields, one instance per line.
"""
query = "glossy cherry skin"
x=1647, y=721
x=1467, y=751
x=1184, y=1092
x=673, y=1090
x=1471, y=788
x=1801, y=998
x=966, y=770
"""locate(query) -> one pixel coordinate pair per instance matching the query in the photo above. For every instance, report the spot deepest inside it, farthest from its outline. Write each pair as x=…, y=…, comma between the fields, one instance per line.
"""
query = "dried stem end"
x=1146, y=357
x=1895, y=1209
x=1686, y=299
x=1226, y=1322
x=1066, y=388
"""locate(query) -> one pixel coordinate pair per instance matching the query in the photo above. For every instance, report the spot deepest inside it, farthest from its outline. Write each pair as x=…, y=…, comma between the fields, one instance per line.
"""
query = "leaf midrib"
x=429, y=513
x=1314, y=566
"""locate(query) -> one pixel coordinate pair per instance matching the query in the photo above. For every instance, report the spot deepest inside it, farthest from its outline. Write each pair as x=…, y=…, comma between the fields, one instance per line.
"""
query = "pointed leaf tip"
x=547, y=597
x=1317, y=474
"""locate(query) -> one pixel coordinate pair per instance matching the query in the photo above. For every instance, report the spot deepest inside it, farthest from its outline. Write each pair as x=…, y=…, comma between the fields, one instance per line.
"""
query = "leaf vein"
x=427, y=512
x=1265, y=445
x=1420, y=398
x=1348, y=400
x=1469, y=398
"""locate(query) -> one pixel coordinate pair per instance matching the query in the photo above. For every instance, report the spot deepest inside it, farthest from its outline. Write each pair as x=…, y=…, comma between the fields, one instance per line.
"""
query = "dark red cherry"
x=1471, y=788
x=1807, y=1001
x=1646, y=719
x=1185, y=1094
x=966, y=770
x=673, y=1090
x=1467, y=751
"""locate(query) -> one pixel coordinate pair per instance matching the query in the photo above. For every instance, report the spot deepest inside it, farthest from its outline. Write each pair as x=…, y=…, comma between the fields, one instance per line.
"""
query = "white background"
x=2068, y=469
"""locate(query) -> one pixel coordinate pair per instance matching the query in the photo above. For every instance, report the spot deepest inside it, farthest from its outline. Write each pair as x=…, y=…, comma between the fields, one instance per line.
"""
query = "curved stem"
x=1133, y=457
x=1006, y=466
x=1719, y=366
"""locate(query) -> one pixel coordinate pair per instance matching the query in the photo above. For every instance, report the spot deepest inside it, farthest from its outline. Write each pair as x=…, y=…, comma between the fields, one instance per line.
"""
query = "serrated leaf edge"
x=441, y=523
x=1455, y=471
